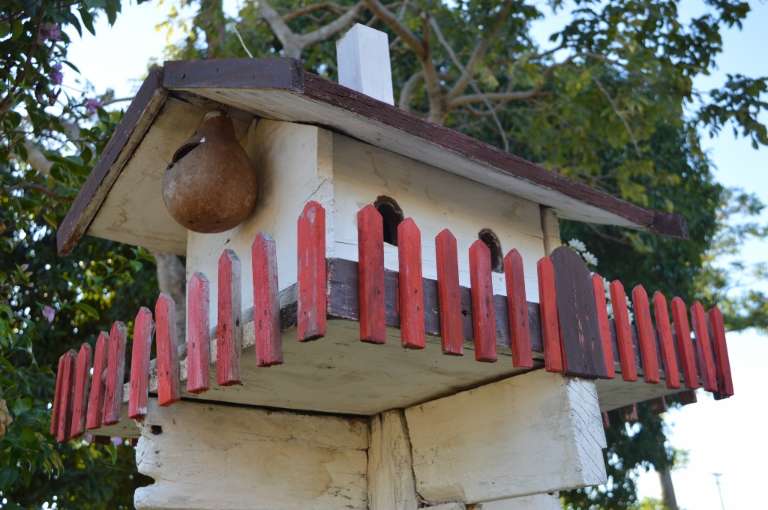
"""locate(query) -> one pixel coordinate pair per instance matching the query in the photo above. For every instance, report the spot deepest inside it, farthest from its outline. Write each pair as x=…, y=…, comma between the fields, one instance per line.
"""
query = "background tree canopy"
x=608, y=100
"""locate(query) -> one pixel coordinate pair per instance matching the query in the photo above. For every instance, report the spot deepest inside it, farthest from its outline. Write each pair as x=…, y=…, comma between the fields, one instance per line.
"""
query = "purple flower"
x=49, y=313
x=91, y=105
x=50, y=31
x=56, y=75
x=117, y=441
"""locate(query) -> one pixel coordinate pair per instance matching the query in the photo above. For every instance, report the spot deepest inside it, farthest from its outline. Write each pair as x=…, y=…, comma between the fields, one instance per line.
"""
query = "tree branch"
x=515, y=95
x=406, y=93
x=402, y=31
x=309, y=9
x=618, y=113
x=326, y=31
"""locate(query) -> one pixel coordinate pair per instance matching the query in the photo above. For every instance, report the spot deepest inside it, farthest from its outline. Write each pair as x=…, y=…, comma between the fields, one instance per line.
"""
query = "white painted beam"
x=363, y=61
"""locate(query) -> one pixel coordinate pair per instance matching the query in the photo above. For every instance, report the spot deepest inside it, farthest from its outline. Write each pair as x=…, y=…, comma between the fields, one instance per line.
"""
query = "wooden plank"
x=623, y=331
x=57, y=396
x=448, y=291
x=704, y=347
x=266, y=302
x=96, y=395
x=483, y=313
x=517, y=309
x=113, y=386
x=311, y=273
x=598, y=289
x=411, y=289
x=143, y=328
x=666, y=342
x=166, y=343
x=723, y=363
x=198, y=333
x=391, y=485
x=684, y=345
x=229, y=329
x=370, y=245
x=646, y=338
x=550, y=327
x=82, y=378
x=64, y=412
x=582, y=346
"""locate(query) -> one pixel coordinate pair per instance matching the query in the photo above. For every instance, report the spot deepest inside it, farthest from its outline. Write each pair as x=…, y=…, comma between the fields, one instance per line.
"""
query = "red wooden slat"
x=167, y=343
x=80, y=394
x=722, y=362
x=266, y=302
x=448, y=293
x=483, y=312
x=684, y=345
x=64, y=413
x=198, y=334
x=598, y=287
x=550, y=327
x=623, y=331
x=666, y=343
x=370, y=246
x=113, y=383
x=311, y=273
x=229, y=328
x=517, y=309
x=57, y=395
x=704, y=346
x=96, y=395
x=646, y=337
x=140, y=350
x=410, y=286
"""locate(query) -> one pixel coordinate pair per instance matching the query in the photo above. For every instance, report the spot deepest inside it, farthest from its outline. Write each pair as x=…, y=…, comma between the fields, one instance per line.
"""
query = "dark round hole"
x=491, y=240
x=392, y=215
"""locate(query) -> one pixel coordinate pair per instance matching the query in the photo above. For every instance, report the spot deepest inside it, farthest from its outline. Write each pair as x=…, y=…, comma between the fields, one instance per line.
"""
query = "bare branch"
x=335, y=26
x=309, y=9
x=171, y=276
x=515, y=95
x=619, y=114
x=36, y=158
x=402, y=31
x=406, y=93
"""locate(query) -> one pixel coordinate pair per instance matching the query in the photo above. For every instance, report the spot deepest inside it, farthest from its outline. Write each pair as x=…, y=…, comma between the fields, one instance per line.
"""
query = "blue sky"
x=725, y=437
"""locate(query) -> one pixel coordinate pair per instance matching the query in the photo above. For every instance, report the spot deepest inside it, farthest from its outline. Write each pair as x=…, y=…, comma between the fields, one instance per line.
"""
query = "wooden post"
x=370, y=249
x=550, y=227
x=96, y=395
x=113, y=388
x=483, y=312
x=517, y=309
x=167, y=342
x=623, y=332
x=229, y=329
x=266, y=302
x=410, y=285
x=448, y=293
x=198, y=334
x=143, y=328
x=311, y=273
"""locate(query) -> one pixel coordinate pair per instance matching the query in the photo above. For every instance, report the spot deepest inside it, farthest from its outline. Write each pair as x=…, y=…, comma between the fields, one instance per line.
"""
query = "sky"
x=727, y=436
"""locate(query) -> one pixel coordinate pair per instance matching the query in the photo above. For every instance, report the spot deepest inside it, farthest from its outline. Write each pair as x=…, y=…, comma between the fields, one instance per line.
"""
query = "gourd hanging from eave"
x=210, y=185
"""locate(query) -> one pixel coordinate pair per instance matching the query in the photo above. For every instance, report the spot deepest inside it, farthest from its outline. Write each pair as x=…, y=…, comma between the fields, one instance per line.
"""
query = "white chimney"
x=363, y=61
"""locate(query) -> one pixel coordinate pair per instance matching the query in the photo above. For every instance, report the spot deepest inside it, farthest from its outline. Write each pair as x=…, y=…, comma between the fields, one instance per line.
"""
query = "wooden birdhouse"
x=390, y=322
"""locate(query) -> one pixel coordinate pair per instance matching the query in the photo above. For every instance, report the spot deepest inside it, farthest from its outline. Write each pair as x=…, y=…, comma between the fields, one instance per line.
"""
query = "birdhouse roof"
x=280, y=89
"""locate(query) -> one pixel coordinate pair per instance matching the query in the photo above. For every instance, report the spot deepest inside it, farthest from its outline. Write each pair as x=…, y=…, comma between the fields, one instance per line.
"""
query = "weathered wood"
x=448, y=291
x=723, y=363
x=704, y=347
x=198, y=333
x=113, y=387
x=646, y=337
x=483, y=313
x=311, y=272
x=96, y=395
x=534, y=502
x=684, y=345
x=166, y=343
x=143, y=328
x=582, y=346
x=550, y=328
x=390, y=466
x=64, y=413
x=57, y=396
x=82, y=378
x=666, y=342
x=604, y=326
x=266, y=302
x=517, y=309
x=229, y=329
x=370, y=245
x=623, y=331
x=411, y=289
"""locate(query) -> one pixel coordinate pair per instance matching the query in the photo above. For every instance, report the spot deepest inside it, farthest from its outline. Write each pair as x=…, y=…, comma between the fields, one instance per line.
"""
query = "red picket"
x=550, y=325
x=410, y=286
x=723, y=363
x=64, y=411
x=167, y=342
x=311, y=315
x=483, y=313
x=666, y=343
x=623, y=331
x=598, y=288
x=80, y=393
x=448, y=293
x=266, y=302
x=113, y=387
x=198, y=333
x=229, y=329
x=370, y=246
x=96, y=395
x=57, y=395
x=517, y=310
x=646, y=338
x=684, y=345
x=143, y=328
x=704, y=347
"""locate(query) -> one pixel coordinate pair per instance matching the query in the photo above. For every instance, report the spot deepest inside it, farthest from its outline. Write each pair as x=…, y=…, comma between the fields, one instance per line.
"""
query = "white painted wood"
x=229, y=458
x=362, y=56
x=535, y=502
x=391, y=484
x=447, y=506
x=529, y=434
